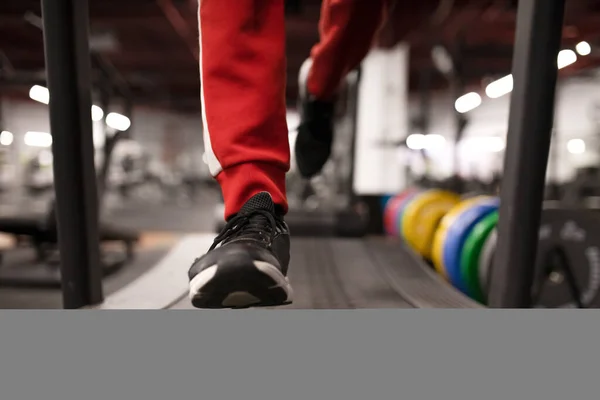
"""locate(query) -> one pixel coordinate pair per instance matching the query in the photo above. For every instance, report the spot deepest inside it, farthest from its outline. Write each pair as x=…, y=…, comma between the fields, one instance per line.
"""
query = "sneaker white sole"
x=259, y=285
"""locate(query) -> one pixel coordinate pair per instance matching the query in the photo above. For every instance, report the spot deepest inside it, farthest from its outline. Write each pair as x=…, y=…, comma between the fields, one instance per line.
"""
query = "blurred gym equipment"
x=40, y=233
x=38, y=174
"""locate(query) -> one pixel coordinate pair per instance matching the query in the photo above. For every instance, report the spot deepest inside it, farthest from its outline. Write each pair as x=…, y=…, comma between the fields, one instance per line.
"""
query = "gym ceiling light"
x=118, y=121
x=499, y=87
x=39, y=94
x=565, y=58
x=6, y=138
x=97, y=113
x=467, y=102
x=38, y=139
x=576, y=146
x=504, y=85
x=583, y=48
x=418, y=141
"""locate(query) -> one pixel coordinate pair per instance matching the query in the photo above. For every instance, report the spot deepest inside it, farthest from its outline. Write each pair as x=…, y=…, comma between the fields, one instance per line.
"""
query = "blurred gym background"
x=433, y=104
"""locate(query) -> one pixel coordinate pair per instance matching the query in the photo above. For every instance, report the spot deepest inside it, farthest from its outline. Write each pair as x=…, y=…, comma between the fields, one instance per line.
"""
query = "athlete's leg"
x=243, y=88
x=242, y=65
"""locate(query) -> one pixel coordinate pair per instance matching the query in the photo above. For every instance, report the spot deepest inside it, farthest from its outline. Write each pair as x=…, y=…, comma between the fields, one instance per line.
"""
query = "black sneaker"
x=249, y=268
x=315, y=135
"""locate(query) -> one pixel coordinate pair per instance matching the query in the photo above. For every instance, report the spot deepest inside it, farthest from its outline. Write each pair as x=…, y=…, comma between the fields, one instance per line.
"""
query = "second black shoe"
x=249, y=268
x=315, y=136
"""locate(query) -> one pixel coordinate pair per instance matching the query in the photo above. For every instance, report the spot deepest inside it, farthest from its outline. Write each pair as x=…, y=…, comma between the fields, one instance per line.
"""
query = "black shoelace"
x=256, y=222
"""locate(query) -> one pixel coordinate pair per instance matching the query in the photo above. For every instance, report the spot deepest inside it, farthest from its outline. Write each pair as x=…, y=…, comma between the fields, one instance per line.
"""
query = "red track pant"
x=243, y=75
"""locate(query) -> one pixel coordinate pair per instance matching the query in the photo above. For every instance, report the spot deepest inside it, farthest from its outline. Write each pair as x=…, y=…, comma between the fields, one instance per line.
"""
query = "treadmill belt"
x=344, y=273
x=338, y=274
x=334, y=273
x=416, y=281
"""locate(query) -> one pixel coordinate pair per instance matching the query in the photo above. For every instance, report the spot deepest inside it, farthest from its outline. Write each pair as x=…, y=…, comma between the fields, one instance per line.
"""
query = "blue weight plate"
x=456, y=236
x=400, y=211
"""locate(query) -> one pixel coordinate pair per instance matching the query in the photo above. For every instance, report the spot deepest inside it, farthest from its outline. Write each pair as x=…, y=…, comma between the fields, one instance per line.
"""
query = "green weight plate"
x=469, y=258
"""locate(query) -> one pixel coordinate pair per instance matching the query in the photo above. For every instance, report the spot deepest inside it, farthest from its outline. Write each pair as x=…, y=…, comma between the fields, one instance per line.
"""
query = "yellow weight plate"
x=422, y=216
x=439, y=237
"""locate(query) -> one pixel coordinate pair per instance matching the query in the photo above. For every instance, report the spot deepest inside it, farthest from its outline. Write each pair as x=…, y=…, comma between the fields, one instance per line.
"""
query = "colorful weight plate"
x=422, y=217
x=469, y=259
x=385, y=199
x=400, y=211
x=455, y=239
x=407, y=206
x=486, y=258
x=389, y=216
x=440, y=234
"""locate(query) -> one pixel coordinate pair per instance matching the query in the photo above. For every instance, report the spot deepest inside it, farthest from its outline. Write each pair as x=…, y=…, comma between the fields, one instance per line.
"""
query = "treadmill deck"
x=335, y=273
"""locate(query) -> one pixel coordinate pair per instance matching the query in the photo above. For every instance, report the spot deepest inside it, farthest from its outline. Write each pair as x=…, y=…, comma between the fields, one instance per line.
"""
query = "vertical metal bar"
x=68, y=72
x=537, y=42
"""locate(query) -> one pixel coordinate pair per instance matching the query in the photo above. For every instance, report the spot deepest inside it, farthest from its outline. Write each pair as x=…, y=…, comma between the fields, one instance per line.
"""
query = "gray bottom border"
x=300, y=354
